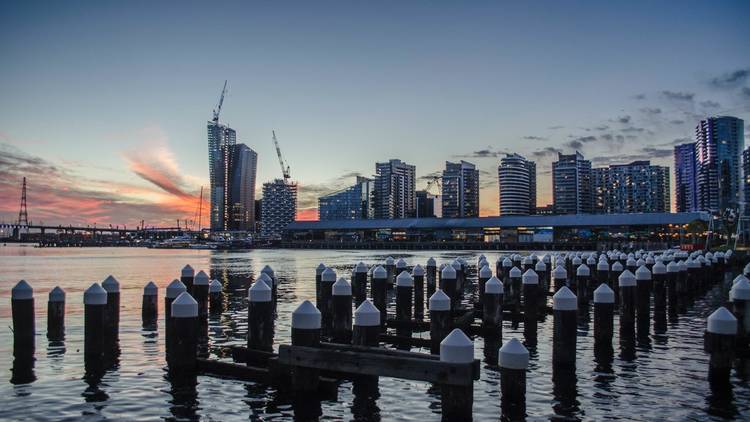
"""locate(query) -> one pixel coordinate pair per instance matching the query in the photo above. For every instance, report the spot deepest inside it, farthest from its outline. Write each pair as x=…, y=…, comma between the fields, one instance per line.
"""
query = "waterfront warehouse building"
x=394, y=194
x=655, y=227
x=352, y=203
x=278, y=208
x=571, y=184
x=516, y=178
x=460, y=196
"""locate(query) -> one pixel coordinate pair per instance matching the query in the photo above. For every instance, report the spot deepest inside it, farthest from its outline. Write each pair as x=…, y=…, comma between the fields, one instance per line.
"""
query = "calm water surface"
x=666, y=380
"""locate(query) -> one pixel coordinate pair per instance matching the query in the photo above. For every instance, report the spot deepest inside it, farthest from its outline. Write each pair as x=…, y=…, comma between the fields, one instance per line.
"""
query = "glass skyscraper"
x=221, y=142
x=638, y=187
x=719, y=142
x=686, y=199
x=460, y=197
x=571, y=184
x=517, y=185
x=278, y=207
x=352, y=203
x=395, y=186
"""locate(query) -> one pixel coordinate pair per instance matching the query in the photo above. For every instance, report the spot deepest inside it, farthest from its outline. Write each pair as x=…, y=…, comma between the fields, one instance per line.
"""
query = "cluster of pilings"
x=341, y=335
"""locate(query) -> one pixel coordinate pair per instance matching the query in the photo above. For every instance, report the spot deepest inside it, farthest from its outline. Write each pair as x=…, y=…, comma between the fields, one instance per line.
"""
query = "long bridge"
x=79, y=235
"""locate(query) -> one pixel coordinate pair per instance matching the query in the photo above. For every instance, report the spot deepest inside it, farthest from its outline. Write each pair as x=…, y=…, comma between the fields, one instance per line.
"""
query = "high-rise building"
x=278, y=207
x=352, y=203
x=427, y=204
x=686, y=199
x=719, y=142
x=637, y=187
x=571, y=184
x=460, y=196
x=517, y=184
x=242, y=189
x=221, y=142
x=746, y=179
x=394, y=193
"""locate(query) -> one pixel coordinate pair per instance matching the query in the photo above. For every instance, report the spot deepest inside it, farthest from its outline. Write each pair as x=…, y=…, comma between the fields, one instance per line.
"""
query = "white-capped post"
x=564, y=331
x=187, y=275
x=260, y=329
x=56, y=314
x=440, y=319
x=530, y=281
x=740, y=297
x=431, y=274
x=492, y=307
x=719, y=342
x=341, y=317
x=359, y=283
x=24, y=328
x=306, y=323
x=513, y=359
x=644, y=284
x=448, y=283
x=404, y=296
x=457, y=401
x=181, y=356
x=150, y=304
x=112, y=317
x=326, y=288
x=380, y=291
x=215, y=297
x=418, y=273
x=200, y=294
x=604, y=310
x=94, y=315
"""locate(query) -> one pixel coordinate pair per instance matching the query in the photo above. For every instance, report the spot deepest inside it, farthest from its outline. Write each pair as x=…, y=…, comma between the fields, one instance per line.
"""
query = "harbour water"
x=664, y=380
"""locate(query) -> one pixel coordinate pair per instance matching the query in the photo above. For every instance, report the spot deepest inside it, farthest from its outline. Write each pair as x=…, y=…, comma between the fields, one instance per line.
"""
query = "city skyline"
x=418, y=94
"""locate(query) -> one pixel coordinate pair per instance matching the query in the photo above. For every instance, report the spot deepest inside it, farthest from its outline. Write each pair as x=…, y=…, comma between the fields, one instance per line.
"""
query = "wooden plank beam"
x=376, y=363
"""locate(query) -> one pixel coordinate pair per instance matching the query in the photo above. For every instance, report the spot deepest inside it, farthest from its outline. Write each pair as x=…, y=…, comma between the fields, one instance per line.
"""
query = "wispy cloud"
x=678, y=95
x=730, y=79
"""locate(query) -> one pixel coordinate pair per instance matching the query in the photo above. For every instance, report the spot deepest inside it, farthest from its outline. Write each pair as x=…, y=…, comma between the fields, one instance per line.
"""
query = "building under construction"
x=278, y=208
x=232, y=171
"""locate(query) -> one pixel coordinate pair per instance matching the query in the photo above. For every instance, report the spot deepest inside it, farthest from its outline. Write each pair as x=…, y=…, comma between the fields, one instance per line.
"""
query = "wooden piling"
x=457, y=401
x=564, y=331
x=318, y=274
x=112, y=317
x=215, y=297
x=366, y=332
x=94, y=324
x=604, y=309
x=379, y=292
x=583, y=275
x=260, y=328
x=24, y=328
x=306, y=323
x=492, y=306
x=341, y=307
x=150, y=304
x=628, y=300
x=174, y=289
x=440, y=319
x=200, y=294
x=56, y=314
x=326, y=288
x=431, y=274
x=418, y=274
x=186, y=277
x=513, y=359
x=448, y=284
x=530, y=281
x=183, y=352
x=719, y=342
x=390, y=268
x=404, y=296
x=484, y=274
x=559, y=277
x=740, y=297
x=643, y=301
x=359, y=283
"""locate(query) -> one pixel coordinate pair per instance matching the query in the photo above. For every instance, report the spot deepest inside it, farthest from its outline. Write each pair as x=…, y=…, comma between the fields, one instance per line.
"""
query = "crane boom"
x=221, y=101
x=284, y=167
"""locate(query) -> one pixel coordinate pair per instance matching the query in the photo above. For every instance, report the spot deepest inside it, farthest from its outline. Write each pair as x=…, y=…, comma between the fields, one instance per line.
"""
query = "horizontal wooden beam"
x=377, y=363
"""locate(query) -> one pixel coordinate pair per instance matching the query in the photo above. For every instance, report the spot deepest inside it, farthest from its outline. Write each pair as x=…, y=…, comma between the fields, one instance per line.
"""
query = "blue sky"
x=112, y=97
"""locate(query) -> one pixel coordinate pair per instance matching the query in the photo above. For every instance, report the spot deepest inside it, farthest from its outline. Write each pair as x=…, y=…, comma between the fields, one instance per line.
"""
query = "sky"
x=103, y=105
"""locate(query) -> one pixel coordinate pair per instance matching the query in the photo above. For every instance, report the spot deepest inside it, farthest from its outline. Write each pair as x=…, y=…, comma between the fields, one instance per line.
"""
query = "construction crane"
x=284, y=167
x=437, y=181
x=217, y=110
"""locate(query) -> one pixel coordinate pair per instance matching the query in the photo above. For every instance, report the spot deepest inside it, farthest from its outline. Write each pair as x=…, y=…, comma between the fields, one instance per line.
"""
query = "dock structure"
x=349, y=334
